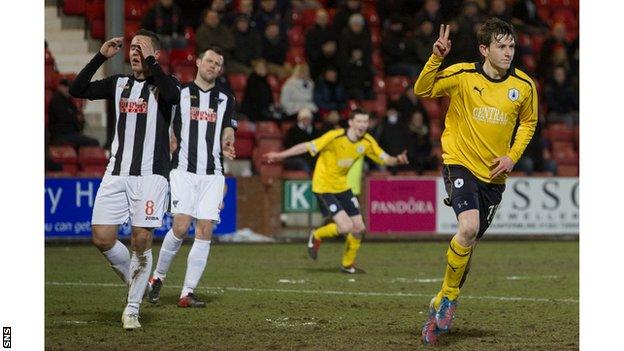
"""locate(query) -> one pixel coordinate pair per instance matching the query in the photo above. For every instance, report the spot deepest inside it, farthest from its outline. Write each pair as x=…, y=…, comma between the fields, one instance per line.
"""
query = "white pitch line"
x=332, y=292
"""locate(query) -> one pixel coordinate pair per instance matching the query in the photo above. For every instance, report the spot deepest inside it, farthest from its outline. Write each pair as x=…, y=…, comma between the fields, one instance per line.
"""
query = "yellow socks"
x=352, y=245
x=457, y=258
x=326, y=231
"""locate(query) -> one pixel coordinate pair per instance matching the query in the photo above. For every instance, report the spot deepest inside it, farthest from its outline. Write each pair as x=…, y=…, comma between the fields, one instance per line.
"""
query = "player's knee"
x=102, y=241
x=180, y=230
x=468, y=230
x=344, y=227
x=141, y=239
x=358, y=228
x=203, y=230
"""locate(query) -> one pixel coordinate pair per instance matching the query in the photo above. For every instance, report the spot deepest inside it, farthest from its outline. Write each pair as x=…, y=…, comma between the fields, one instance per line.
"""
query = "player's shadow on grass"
x=172, y=300
x=464, y=333
x=323, y=270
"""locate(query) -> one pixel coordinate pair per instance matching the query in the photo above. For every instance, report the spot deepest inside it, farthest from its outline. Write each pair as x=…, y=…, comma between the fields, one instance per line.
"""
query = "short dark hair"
x=357, y=111
x=494, y=28
x=153, y=36
x=216, y=49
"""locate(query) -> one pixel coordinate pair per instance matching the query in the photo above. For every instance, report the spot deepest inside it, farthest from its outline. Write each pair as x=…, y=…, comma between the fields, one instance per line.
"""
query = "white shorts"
x=142, y=199
x=195, y=195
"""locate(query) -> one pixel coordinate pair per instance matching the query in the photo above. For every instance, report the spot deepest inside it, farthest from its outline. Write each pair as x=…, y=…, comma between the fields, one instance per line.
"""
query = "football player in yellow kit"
x=487, y=99
x=338, y=149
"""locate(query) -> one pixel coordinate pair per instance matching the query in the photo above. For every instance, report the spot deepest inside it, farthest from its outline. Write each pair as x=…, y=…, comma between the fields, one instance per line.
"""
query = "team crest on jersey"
x=360, y=149
x=513, y=94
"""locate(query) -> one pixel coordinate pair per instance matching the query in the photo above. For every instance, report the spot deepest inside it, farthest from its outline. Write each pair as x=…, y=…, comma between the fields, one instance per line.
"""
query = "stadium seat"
x=308, y=18
x=189, y=35
x=296, y=55
x=97, y=29
x=135, y=10
x=379, y=85
x=59, y=174
x=285, y=126
x=48, y=58
x=379, y=174
x=267, y=129
x=245, y=129
x=563, y=152
x=559, y=132
x=517, y=174
x=432, y=108
x=244, y=147
x=185, y=56
x=130, y=28
x=407, y=173
x=269, y=144
x=378, y=107
x=370, y=14
x=377, y=60
x=375, y=36
x=299, y=175
x=238, y=81
x=431, y=173
x=185, y=73
x=396, y=85
x=94, y=10
x=568, y=170
x=296, y=36
x=51, y=77
x=74, y=7
x=66, y=156
x=92, y=155
x=90, y=174
x=542, y=174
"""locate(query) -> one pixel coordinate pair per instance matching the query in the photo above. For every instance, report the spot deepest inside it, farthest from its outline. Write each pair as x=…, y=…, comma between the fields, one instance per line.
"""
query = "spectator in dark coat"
x=536, y=156
x=316, y=37
x=66, y=121
x=352, y=37
x=328, y=56
x=274, y=49
x=213, y=33
x=407, y=104
x=465, y=44
x=165, y=19
x=424, y=38
x=419, y=144
x=399, y=51
x=343, y=15
x=357, y=77
x=430, y=12
x=257, y=102
x=393, y=136
x=248, y=47
x=329, y=94
x=268, y=12
x=301, y=132
x=561, y=98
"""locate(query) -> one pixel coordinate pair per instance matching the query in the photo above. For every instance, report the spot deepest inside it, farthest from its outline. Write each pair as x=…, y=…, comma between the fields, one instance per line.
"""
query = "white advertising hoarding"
x=529, y=206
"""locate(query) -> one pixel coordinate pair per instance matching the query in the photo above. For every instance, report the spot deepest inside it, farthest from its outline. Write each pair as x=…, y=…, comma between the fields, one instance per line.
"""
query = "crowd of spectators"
x=348, y=45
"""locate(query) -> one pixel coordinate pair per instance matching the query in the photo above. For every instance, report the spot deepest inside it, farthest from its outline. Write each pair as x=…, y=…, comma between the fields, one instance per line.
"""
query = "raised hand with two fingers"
x=442, y=46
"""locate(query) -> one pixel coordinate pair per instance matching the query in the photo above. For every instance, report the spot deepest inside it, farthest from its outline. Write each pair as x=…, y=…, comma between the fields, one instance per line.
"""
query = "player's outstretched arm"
x=400, y=159
x=83, y=88
x=275, y=156
x=424, y=86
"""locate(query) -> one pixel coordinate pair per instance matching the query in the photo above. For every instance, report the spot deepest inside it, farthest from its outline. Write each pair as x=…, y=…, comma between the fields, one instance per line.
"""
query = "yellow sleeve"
x=374, y=151
x=433, y=83
x=315, y=146
x=528, y=122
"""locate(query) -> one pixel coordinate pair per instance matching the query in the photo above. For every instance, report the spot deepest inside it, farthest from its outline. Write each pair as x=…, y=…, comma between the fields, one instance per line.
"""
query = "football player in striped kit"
x=135, y=184
x=203, y=126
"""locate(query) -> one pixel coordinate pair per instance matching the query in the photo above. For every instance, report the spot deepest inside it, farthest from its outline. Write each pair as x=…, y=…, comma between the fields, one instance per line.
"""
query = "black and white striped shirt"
x=198, y=122
x=143, y=110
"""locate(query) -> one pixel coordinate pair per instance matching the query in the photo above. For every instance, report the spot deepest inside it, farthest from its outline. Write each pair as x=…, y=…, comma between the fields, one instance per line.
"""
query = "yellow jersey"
x=482, y=114
x=336, y=155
